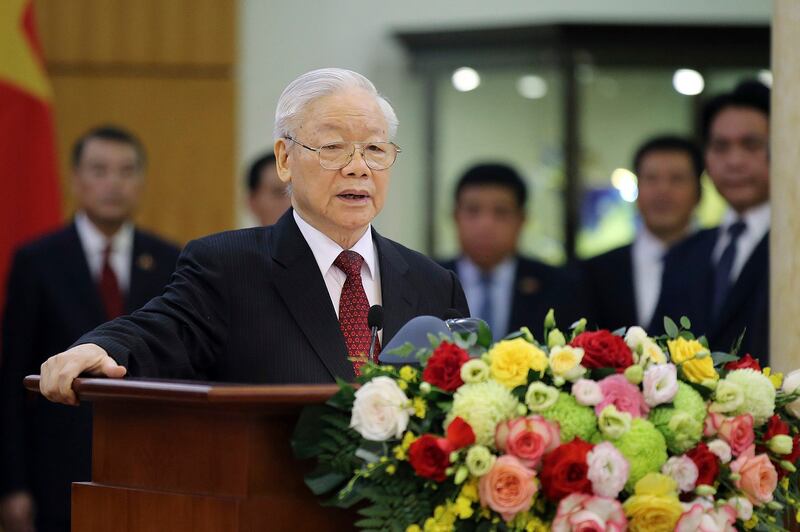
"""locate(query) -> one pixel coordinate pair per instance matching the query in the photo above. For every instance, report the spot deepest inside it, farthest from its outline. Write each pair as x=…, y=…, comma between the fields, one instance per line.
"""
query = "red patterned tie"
x=109, y=288
x=353, y=310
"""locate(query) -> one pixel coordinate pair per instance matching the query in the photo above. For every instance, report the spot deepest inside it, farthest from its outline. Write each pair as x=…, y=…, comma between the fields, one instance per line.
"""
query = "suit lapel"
x=753, y=272
x=397, y=293
x=143, y=270
x=76, y=268
x=301, y=286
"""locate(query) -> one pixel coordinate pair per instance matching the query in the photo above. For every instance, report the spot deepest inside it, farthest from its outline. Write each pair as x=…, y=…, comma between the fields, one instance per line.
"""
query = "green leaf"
x=322, y=480
x=370, y=522
x=484, y=335
x=602, y=373
x=375, y=511
x=308, y=432
x=619, y=332
x=687, y=335
x=670, y=328
x=721, y=358
x=738, y=344
x=704, y=392
x=685, y=323
x=404, y=350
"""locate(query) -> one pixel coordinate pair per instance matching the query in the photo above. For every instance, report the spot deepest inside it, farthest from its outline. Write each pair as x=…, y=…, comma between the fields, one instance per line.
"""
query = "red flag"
x=30, y=200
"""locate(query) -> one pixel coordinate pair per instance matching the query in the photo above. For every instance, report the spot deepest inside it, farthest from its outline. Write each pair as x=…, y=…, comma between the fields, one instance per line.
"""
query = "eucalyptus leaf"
x=670, y=328
x=484, y=335
x=685, y=323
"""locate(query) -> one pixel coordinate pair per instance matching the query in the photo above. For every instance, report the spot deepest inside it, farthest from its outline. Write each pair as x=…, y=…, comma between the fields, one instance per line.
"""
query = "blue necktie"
x=487, y=308
x=722, y=273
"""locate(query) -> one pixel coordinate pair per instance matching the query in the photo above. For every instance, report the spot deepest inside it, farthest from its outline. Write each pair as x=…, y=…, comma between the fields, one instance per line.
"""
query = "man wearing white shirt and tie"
x=624, y=284
x=720, y=278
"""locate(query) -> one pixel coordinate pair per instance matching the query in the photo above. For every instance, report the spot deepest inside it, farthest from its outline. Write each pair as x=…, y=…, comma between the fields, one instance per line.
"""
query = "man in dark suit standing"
x=504, y=288
x=267, y=196
x=719, y=278
x=61, y=286
x=624, y=284
x=288, y=302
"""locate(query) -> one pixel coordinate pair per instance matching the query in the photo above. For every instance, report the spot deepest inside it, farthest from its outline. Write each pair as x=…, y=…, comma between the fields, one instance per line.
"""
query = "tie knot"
x=736, y=229
x=107, y=251
x=349, y=262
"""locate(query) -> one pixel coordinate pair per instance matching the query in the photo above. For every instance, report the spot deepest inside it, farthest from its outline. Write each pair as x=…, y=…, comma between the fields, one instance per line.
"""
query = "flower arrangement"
x=587, y=430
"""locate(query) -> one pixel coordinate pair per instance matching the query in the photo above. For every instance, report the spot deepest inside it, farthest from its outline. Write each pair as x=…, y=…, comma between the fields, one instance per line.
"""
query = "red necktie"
x=109, y=288
x=353, y=310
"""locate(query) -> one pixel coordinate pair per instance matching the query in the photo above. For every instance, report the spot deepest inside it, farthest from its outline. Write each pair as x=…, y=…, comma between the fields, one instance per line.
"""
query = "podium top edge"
x=176, y=391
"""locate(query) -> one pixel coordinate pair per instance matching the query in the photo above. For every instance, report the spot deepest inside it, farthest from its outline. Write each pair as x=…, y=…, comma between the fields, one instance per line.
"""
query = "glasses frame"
x=356, y=146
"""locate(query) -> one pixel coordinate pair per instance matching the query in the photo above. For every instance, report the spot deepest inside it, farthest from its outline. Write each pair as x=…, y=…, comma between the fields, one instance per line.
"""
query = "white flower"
x=683, y=470
x=652, y=354
x=634, y=337
x=728, y=397
x=790, y=383
x=660, y=384
x=743, y=507
x=587, y=392
x=721, y=450
x=381, y=410
x=565, y=362
x=608, y=470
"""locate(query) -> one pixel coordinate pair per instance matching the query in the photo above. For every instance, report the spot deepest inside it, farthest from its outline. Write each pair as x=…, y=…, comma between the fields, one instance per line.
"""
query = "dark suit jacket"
x=608, y=281
x=687, y=287
x=251, y=306
x=537, y=288
x=52, y=301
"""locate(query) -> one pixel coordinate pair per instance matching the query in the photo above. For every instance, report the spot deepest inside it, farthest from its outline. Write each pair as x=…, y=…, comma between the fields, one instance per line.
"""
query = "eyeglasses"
x=337, y=155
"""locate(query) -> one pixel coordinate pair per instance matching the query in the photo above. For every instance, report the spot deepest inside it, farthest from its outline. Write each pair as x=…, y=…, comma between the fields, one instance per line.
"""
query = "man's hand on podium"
x=60, y=370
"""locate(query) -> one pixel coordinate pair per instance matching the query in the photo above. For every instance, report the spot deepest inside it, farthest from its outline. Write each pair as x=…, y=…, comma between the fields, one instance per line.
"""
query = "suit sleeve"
x=179, y=334
x=458, y=300
x=19, y=358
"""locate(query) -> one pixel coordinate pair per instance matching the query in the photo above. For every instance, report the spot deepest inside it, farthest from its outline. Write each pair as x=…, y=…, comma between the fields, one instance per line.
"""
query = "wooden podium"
x=177, y=455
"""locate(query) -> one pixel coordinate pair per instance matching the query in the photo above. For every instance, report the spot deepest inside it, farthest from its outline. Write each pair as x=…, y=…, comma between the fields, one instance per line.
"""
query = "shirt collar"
x=756, y=218
x=649, y=245
x=325, y=250
x=471, y=273
x=94, y=241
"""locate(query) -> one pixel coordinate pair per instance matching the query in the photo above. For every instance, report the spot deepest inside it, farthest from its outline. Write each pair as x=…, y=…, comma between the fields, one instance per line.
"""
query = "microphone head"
x=416, y=333
x=375, y=317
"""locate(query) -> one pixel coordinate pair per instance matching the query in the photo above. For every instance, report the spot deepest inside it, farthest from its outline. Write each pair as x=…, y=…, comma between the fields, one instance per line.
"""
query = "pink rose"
x=587, y=513
x=508, y=488
x=528, y=438
x=738, y=432
x=703, y=519
x=622, y=394
x=757, y=476
x=712, y=424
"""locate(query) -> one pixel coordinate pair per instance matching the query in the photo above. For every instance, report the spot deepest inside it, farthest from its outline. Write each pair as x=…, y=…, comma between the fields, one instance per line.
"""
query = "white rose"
x=381, y=410
x=743, y=507
x=721, y=450
x=587, y=392
x=790, y=384
x=634, y=337
x=683, y=471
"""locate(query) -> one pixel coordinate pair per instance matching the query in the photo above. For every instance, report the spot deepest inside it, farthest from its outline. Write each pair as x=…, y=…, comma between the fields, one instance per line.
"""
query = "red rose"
x=706, y=462
x=746, y=362
x=444, y=367
x=430, y=456
x=459, y=434
x=565, y=470
x=601, y=349
x=776, y=426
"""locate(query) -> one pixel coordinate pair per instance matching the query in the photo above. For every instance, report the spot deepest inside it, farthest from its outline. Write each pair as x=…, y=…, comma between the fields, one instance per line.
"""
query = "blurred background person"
x=112, y=268
x=623, y=285
x=719, y=278
x=267, y=196
x=504, y=288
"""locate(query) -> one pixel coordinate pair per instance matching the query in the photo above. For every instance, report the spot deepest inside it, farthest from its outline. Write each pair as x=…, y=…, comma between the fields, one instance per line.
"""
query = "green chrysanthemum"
x=483, y=405
x=644, y=448
x=759, y=394
x=682, y=422
x=573, y=419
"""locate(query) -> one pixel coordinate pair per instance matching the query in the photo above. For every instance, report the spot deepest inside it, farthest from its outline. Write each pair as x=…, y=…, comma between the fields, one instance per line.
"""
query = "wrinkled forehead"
x=347, y=112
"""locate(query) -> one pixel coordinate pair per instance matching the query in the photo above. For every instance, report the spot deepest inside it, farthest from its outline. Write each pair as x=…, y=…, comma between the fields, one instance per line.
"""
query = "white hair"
x=316, y=84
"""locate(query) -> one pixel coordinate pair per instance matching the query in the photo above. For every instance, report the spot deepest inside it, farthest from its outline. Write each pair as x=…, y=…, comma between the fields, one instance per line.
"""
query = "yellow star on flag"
x=19, y=64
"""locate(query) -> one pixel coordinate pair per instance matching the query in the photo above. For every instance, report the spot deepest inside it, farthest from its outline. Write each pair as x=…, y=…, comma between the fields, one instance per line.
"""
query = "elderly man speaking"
x=286, y=303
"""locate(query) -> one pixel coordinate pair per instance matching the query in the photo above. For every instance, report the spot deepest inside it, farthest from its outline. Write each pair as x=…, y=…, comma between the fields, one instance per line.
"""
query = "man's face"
x=668, y=191
x=270, y=200
x=108, y=181
x=737, y=156
x=489, y=222
x=340, y=203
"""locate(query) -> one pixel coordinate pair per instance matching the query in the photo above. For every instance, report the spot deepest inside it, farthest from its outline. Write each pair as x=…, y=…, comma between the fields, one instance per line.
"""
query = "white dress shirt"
x=325, y=252
x=647, y=254
x=757, y=220
x=94, y=243
x=502, y=291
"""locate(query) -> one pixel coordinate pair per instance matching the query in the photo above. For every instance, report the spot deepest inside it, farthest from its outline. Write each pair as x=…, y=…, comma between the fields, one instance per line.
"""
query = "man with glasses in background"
x=286, y=303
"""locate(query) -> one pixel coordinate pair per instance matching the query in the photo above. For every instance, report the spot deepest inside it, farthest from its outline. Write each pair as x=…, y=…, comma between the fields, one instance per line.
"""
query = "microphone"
x=416, y=333
x=375, y=323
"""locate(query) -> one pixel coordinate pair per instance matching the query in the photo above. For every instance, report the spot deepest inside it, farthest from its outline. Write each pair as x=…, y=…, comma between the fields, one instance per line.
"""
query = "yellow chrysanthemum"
x=694, y=360
x=401, y=451
x=420, y=407
x=776, y=378
x=510, y=361
x=409, y=374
